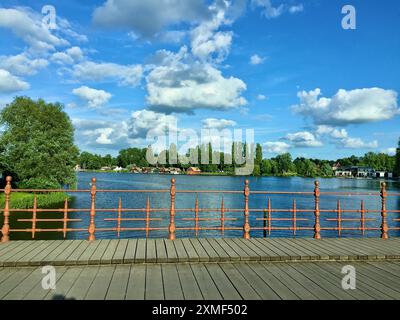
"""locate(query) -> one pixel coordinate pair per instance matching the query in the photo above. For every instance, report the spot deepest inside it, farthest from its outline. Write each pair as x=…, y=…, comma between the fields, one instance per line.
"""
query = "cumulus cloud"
x=144, y=120
x=335, y=133
x=347, y=107
x=304, y=139
x=28, y=26
x=277, y=147
x=126, y=75
x=10, y=83
x=261, y=97
x=296, y=8
x=69, y=56
x=269, y=11
x=180, y=85
x=22, y=64
x=390, y=151
x=357, y=143
x=256, y=59
x=218, y=124
x=94, y=98
x=147, y=18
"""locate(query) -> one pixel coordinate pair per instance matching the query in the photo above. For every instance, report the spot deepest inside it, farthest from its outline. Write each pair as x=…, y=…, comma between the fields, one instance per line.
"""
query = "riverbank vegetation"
x=23, y=200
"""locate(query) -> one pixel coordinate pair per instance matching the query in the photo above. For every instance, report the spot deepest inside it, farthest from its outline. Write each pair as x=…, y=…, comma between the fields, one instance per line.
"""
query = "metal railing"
x=219, y=222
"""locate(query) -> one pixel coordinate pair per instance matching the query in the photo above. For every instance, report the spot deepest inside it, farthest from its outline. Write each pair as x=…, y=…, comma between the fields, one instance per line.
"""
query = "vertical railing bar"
x=294, y=218
x=384, y=226
x=339, y=218
x=172, y=228
x=92, y=227
x=119, y=217
x=317, y=226
x=147, y=216
x=246, y=226
x=265, y=223
x=362, y=218
x=65, y=220
x=5, y=230
x=222, y=216
x=196, y=216
x=269, y=217
x=34, y=213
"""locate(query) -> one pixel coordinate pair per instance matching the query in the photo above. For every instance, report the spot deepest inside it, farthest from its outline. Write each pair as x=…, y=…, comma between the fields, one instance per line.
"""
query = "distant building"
x=380, y=174
x=336, y=166
x=105, y=169
x=193, y=171
x=118, y=169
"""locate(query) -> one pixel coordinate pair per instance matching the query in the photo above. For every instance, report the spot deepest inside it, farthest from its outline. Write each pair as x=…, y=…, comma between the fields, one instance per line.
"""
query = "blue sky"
x=286, y=69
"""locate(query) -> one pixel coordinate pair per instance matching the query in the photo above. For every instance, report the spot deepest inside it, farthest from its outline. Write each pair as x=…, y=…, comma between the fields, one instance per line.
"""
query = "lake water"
x=118, y=181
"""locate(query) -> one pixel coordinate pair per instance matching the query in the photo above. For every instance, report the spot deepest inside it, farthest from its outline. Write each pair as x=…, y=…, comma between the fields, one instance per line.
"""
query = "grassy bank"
x=22, y=200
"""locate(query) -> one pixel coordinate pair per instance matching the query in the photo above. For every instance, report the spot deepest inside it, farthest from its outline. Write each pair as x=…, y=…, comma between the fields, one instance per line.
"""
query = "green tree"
x=38, y=143
x=397, y=164
x=285, y=164
x=259, y=155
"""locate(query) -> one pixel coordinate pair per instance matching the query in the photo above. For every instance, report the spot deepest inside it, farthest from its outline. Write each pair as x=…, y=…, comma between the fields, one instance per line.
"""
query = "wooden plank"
x=318, y=252
x=82, y=284
x=268, y=253
x=15, y=254
x=49, y=259
x=74, y=256
x=290, y=252
x=14, y=280
x=64, y=284
x=161, y=251
x=109, y=252
x=206, y=284
x=137, y=283
x=7, y=246
x=172, y=285
x=201, y=253
x=151, y=252
x=222, y=282
x=180, y=251
x=222, y=254
x=240, y=283
x=97, y=255
x=130, y=252
x=191, y=252
x=212, y=254
x=25, y=260
x=62, y=257
x=252, y=255
x=5, y=273
x=94, y=256
x=231, y=254
x=154, y=283
x=304, y=252
x=119, y=253
x=267, y=244
x=171, y=252
x=119, y=283
x=140, y=256
x=249, y=245
x=335, y=279
x=284, y=277
x=37, y=260
x=37, y=292
x=258, y=285
x=99, y=287
x=189, y=285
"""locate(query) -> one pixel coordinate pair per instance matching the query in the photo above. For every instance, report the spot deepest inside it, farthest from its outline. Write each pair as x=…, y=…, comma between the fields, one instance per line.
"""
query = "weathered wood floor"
x=210, y=281
x=128, y=251
x=210, y=269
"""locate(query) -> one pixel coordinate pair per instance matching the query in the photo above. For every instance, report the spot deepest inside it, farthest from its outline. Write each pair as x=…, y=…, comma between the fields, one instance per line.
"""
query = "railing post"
x=5, y=230
x=339, y=218
x=246, y=226
x=92, y=227
x=172, y=227
x=362, y=218
x=196, y=216
x=317, y=227
x=384, y=226
x=222, y=216
x=294, y=218
x=147, y=216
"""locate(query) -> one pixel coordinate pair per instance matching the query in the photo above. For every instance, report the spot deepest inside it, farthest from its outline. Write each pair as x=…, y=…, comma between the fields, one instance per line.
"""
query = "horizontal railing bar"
x=48, y=230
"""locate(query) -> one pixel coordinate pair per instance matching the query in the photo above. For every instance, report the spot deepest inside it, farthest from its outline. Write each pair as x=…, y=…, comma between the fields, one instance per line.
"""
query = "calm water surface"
x=117, y=181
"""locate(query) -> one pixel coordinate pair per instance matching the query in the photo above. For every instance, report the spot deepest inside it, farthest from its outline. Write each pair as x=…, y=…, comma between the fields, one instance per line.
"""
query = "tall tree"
x=38, y=143
x=397, y=165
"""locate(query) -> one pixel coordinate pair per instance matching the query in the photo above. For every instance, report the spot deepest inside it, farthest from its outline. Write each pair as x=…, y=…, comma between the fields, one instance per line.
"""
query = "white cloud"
x=390, y=151
x=218, y=124
x=70, y=56
x=335, y=133
x=180, y=85
x=147, y=18
x=269, y=11
x=256, y=59
x=347, y=107
x=207, y=42
x=261, y=97
x=10, y=83
x=95, y=98
x=144, y=120
x=277, y=147
x=357, y=143
x=129, y=75
x=28, y=26
x=22, y=64
x=296, y=9
x=304, y=139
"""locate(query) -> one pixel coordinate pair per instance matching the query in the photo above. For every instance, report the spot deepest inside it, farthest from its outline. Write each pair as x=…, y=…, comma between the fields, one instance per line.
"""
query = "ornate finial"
x=94, y=180
x=316, y=183
x=383, y=184
x=246, y=182
x=173, y=181
x=9, y=179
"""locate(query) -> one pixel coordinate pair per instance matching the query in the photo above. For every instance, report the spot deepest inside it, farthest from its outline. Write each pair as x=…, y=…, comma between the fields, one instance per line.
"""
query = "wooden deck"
x=139, y=251
x=196, y=269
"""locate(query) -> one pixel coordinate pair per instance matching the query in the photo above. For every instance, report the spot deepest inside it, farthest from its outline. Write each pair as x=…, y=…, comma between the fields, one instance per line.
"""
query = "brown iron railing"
x=270, y=215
